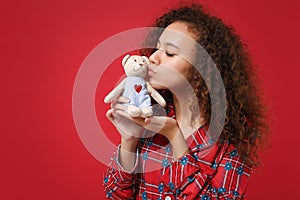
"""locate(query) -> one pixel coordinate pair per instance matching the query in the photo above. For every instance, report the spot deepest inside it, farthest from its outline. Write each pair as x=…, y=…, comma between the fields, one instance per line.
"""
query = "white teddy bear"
x=135, y=88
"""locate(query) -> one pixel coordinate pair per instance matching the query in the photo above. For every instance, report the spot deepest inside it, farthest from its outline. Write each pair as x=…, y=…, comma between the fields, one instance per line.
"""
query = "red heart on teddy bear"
x=137, y=88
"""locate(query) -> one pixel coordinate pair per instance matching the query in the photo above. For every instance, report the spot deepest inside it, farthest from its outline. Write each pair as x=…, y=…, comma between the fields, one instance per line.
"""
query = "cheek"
x=182, y=67
x=169, y=78
x=177, y=66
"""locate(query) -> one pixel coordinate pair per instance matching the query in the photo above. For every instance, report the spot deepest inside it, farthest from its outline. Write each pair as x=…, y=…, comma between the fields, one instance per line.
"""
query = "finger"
x=118, y=106
x=109, y=115
x=155, y=123
x=123, y=113
x=138, y=120
x=122, y=99
x=157, y=120
x=147, y=120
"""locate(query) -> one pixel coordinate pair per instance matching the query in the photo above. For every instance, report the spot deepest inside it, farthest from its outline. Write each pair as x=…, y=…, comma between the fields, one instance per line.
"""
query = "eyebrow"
x=169, y=44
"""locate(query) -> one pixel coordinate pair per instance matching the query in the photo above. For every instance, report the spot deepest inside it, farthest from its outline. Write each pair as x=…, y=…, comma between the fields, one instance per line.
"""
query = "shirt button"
x=168, y=198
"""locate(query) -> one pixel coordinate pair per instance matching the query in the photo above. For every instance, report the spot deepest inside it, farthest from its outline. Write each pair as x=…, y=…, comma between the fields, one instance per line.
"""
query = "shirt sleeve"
x=119, y=183
x=210, y=173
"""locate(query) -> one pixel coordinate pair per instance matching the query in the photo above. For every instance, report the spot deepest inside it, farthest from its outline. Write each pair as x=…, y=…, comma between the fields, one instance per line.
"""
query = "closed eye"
x=169, y=54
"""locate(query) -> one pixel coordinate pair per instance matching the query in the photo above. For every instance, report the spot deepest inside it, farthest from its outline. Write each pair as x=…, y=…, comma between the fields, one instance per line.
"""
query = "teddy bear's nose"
x=141, y=64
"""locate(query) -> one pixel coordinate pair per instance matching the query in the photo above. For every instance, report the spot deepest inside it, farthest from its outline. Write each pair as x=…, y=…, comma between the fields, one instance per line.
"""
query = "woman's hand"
x=165, y=126
x=158, y=124
x=128, y=129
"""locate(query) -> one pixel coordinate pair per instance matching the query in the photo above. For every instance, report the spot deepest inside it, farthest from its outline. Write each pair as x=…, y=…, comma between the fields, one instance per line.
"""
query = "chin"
x=157, y=84
x=159, y=87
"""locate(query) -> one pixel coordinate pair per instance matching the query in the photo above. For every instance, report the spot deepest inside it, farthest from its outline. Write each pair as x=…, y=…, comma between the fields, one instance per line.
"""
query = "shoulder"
x=222, y=157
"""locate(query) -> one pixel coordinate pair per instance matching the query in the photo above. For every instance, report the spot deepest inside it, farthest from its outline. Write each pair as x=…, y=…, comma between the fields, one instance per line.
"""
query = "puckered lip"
x=150, y=73
x=151, y=70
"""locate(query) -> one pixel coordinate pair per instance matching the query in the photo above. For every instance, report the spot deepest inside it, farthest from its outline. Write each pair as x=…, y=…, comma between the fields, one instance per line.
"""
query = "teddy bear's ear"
x=146, y=59
x=125, y=59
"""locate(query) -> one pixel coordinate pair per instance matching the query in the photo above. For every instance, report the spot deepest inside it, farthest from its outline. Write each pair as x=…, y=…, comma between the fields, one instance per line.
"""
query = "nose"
x=155, y=57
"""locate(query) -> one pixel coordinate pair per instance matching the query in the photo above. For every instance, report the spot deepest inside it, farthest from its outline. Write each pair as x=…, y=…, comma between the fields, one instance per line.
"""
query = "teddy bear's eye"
x=134, y=60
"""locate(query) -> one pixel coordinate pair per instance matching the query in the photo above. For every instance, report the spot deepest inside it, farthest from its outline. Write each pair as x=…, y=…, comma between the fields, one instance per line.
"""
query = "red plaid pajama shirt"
x=220, y=174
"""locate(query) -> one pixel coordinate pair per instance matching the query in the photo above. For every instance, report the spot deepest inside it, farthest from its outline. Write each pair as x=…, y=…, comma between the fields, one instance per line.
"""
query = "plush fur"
x=135, y=88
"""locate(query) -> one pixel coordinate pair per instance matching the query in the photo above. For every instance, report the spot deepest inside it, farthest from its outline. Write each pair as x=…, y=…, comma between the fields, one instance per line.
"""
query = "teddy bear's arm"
x=156, y=96
x=115, y=93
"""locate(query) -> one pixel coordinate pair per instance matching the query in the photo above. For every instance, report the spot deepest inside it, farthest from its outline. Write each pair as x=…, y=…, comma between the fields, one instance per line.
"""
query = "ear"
x=146, y=59
x=125, y=59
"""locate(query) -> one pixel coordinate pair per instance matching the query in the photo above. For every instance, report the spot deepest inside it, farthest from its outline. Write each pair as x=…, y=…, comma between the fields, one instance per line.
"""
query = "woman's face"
x=171, y=63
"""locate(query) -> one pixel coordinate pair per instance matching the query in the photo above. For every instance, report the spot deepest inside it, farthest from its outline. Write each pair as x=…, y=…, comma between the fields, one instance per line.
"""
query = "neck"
x=184, y=115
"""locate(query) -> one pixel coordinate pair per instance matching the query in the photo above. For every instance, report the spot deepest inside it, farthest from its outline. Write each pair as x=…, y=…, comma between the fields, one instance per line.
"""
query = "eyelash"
x=166, y=52
x=169, y=54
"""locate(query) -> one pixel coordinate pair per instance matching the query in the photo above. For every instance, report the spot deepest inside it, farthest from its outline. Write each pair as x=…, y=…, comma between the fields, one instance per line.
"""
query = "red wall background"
x=43, y=44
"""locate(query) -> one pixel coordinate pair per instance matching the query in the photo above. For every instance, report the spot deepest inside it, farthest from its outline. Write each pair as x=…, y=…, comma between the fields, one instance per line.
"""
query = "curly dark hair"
x=246, y=117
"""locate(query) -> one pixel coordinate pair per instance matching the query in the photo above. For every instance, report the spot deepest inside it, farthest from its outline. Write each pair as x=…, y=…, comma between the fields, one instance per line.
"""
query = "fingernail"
x=147, y=120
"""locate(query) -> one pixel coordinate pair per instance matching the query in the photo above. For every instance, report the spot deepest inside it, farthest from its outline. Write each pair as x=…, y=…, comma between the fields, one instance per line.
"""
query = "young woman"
x=184, y=160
